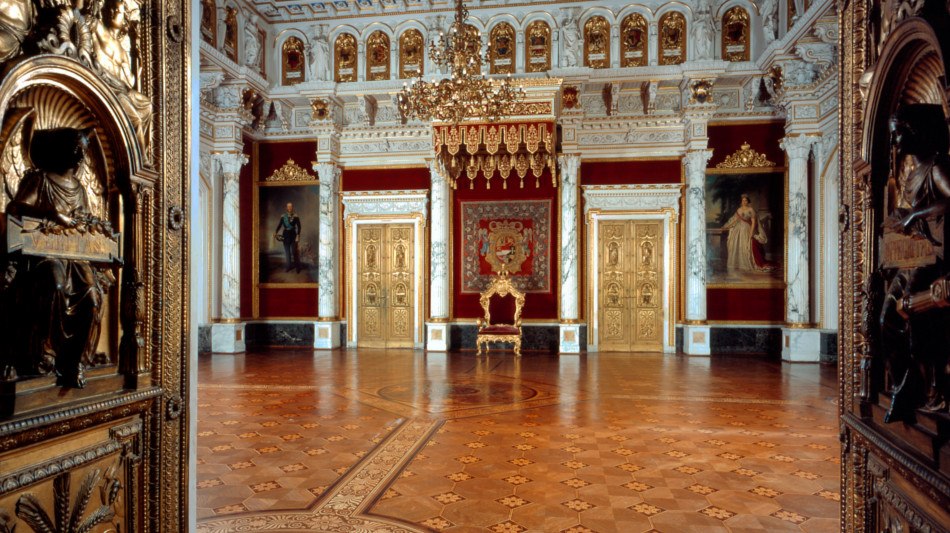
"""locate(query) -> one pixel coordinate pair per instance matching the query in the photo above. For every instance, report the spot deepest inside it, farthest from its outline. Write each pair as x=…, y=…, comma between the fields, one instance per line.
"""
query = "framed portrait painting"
x=745, y=228
x=286, y=233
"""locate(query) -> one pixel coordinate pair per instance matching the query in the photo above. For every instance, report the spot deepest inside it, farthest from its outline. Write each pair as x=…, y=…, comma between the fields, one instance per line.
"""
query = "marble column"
x=570, y=334
x=801, y=341
x=437, y=327
x=327, y=331
x=227, y=334
x=696, y=331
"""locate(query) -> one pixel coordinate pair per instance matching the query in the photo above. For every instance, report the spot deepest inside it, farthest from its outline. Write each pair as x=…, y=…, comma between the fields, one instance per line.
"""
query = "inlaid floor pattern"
x=376, y=440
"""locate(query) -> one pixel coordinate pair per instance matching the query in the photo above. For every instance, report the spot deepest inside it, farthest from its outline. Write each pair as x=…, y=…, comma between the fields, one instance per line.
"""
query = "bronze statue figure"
x=53, y=304
x=914, y=318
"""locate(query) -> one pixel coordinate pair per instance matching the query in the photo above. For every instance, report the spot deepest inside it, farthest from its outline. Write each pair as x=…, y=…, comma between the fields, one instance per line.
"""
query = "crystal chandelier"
x=465, y=93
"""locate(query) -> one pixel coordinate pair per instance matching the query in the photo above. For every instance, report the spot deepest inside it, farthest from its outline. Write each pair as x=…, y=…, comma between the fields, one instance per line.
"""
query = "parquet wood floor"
x=377, y=440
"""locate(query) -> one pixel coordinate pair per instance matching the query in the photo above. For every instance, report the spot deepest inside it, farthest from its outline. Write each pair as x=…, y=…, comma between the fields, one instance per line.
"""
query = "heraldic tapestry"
x=515, y=236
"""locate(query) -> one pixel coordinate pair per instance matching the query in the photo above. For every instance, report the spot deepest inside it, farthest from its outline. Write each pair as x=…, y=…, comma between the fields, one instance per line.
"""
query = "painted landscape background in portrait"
x=758, y=246
x=272, y=204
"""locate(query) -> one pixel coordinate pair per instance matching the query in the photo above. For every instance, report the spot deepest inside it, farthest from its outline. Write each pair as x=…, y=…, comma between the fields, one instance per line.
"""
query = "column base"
x=326, y=335
x=569, y=338
x=227, y=337
x=696, y=339
x=437, y=336
x=801, y=345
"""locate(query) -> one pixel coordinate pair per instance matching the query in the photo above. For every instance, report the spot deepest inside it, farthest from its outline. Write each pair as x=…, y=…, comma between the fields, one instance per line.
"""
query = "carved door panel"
x=385, y=277
x=629, y=286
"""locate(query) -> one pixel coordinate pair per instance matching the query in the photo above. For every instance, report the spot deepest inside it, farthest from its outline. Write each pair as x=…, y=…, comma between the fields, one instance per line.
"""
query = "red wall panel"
x=537, y=305
x=287, y=303
x=246, y=200
x=380, y=179
x=274, y=155
x=757, y=305
x=631, y=172
x=763, y=137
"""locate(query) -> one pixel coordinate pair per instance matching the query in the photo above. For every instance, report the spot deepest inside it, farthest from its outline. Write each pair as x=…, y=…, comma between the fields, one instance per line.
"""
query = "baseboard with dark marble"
x=258, y=334
x=204, y=338
x=534, y=337
x=744, y=340
x=829, y=347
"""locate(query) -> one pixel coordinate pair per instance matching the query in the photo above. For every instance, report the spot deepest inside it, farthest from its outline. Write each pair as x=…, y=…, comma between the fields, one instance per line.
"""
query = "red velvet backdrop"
x=631, y=172
x=273, y=302
x=537, y=305
x=759, y=305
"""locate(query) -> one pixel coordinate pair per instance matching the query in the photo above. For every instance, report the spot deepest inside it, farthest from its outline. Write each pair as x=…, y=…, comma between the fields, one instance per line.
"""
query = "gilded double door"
x=630, y=285
x=385, y=293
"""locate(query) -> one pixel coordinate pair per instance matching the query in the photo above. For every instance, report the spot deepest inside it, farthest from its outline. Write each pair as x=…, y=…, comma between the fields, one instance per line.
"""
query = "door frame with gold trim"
x=625, y=203
x=401, y=207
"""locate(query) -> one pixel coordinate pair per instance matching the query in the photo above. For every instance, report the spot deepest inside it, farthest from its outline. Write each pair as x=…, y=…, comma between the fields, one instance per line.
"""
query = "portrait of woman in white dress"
x=746, y=237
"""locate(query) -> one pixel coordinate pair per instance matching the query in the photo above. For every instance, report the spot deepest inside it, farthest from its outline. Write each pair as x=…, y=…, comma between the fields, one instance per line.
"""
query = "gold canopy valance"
x=496, y=148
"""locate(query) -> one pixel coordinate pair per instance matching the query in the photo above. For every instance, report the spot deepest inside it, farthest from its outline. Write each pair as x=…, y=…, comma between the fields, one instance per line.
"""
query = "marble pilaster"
x=327, y=334
x=227, y=336
x=437, y=328
x=570, y=284
x=696, y=331
x=800, y=340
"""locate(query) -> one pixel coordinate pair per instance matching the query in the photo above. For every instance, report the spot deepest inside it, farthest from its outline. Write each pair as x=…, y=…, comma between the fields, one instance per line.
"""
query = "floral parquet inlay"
x=376, y=440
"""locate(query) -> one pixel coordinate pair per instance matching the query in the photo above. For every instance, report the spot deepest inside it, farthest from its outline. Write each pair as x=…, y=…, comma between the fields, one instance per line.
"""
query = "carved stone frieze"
x=386, y=203
x=631, y=197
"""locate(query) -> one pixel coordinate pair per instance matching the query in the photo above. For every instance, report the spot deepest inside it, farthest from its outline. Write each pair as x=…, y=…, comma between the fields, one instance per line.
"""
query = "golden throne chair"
x=503, y=301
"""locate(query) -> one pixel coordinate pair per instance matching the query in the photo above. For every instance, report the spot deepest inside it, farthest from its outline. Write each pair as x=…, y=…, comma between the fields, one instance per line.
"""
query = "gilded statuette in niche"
x=344, y=52
x=597, y=42
x=735, y=35
x=292, y=61
x=411, y=50
x=501, y=49
x=672, y=29
x=537, y=47
x=633, y=41
x=377, y=56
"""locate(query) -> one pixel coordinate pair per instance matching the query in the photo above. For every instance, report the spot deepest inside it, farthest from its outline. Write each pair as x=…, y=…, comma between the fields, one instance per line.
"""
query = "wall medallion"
x=537, y=47
x=672, y=38
x=345, y=58
x=633, y=41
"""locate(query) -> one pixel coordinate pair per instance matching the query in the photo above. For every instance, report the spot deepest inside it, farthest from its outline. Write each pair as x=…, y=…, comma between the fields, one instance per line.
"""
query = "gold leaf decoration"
x=291, y=172
x=746, y=157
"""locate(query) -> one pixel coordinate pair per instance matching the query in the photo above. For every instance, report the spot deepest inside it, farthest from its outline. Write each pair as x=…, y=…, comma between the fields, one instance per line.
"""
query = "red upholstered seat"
x=502, y=309
x=499, y=330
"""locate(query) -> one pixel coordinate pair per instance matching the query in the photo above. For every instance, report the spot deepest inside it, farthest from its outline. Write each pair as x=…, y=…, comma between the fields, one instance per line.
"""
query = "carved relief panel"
x=377, y=56
x=537, y=47
x=630, y=285
x=292, y=62
x=386, y=289
x=411, y=54
x=672, y=28
x=501, y=49
x=209, y=22
x=735, y=34
x=230, y=43
x=597, y=43
x=633, y=41
x=345, y=57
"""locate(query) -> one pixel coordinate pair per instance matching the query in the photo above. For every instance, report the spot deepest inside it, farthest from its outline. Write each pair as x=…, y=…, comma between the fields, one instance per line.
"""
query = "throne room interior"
x=474, y=265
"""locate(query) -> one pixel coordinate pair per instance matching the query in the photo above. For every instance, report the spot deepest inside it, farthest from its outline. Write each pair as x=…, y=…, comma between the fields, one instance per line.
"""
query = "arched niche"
x=377, y=56
x=501, y=49
x=736, y=35
x=634, y=41
x=293, y=62
x=411, y=53
x=345, y=57
x=597, y=42
x=537, y=46
x=672, y=35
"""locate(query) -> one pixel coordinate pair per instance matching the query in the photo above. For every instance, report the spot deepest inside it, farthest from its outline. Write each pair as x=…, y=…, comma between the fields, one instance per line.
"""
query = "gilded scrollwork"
x=537, y=47
x=345, y=57
x=501, y=49
x=633, y=41
x=597, y=42
x=735, y=34
x=411, y=52
x=292, y=61
x=377, y=56
x=672, y=28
